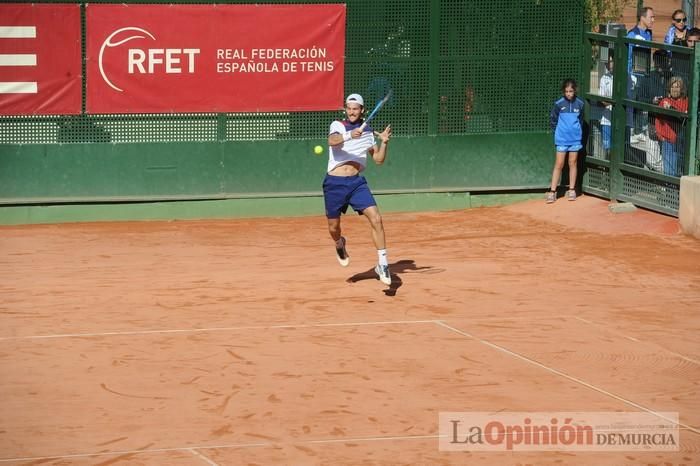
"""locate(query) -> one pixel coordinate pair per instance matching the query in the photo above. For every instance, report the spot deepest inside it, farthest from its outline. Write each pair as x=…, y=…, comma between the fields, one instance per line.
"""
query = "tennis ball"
x=318, y=150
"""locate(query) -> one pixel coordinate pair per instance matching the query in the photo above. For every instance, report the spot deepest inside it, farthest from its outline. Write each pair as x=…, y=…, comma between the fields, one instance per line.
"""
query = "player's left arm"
x=379, y=152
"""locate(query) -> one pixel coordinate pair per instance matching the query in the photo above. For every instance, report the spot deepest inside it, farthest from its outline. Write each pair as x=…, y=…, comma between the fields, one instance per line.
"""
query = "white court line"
x=375, y=439
x=17, y=32
x=133, y=452
x=18, y=88
x=202, y=457
x=615, y=332
x=567, y=376
x=222, y=447
x=216, y=329
x=17, y=59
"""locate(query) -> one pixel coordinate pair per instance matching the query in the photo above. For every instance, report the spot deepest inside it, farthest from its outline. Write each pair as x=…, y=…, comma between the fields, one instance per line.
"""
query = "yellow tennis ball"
x=318, y=150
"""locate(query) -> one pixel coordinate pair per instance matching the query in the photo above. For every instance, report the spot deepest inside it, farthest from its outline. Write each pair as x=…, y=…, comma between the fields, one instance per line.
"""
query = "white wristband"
x=347, y=136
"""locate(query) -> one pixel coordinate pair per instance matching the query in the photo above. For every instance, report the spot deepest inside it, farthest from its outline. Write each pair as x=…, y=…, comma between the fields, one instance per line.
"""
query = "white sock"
x=381, y=253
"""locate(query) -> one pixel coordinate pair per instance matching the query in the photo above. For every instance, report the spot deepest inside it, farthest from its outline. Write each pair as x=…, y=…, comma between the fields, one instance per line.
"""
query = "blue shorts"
x=572, y=148
x=339, y=192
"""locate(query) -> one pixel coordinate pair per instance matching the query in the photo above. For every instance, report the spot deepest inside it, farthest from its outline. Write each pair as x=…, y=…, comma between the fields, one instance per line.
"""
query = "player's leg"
x=334, y=228
x=573, y=173
x=375, y=221
x=556, y=175
x=340, y=252
x=363, y=201
x=334, y=195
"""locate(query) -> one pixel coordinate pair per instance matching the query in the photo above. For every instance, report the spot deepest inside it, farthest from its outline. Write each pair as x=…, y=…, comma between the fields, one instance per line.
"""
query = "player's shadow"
x=397, y=268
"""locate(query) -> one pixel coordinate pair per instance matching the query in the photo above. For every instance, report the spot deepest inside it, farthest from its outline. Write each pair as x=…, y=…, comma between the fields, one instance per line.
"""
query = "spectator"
x=605, y=89
x=692, y=37
x=667, y=128
x=637, y=69
x=652, y=88
x=642, y=31
x=678, y=32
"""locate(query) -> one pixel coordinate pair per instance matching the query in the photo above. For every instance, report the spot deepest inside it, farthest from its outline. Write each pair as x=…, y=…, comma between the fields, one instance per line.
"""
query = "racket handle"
x=363, y=126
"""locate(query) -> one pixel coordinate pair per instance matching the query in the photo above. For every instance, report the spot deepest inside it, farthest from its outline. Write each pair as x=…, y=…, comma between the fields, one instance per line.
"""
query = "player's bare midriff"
x=346, y=169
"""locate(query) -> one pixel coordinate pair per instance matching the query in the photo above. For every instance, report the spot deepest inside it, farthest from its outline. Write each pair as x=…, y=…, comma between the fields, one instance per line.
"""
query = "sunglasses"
x=681, y=20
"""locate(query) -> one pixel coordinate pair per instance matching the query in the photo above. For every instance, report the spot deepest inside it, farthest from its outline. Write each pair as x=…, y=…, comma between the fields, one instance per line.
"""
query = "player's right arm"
x=335, y=139
x=338, y=135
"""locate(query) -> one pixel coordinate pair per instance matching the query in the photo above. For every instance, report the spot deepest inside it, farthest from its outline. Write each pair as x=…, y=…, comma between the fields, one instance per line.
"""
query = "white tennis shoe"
x=383, y=273
x=342, y=254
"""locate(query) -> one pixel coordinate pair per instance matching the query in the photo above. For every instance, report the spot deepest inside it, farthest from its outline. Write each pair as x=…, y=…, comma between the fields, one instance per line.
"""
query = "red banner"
x=214, y=58
x=40, y=59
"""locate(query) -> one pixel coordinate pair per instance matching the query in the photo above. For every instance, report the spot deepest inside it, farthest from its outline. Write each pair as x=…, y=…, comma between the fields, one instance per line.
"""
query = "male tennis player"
x=347, y=157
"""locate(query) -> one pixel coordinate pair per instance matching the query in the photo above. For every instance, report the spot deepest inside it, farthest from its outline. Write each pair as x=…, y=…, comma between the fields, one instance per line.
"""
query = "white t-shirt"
x=354, y=150
x=606, y=90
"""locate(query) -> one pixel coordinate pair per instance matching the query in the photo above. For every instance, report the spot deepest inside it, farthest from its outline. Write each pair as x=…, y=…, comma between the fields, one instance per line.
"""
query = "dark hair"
x=678, y=11
x=643, y=12
x=661, y=59
x=567, y=83
x=693, y=32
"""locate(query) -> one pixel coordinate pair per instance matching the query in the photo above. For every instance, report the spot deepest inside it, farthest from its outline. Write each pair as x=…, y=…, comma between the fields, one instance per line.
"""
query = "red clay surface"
x=243, y=341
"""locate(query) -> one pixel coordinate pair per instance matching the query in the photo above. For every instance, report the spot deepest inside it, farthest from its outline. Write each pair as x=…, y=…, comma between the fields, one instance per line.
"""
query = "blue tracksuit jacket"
x=566, y=120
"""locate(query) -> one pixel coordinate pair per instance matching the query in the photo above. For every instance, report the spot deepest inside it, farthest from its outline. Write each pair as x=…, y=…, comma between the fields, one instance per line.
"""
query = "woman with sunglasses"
x=678, y=31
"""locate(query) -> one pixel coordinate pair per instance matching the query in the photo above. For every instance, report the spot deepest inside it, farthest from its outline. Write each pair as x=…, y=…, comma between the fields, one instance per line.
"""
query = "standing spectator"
x=667, y=127
x=642, y=31
x=605, y=89
x=637, y=69
x=566, y=119
x=678, y=32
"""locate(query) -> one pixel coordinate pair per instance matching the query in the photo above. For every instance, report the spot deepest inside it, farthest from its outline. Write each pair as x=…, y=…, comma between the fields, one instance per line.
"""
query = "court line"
x=565, y=375
x=217, y=329
x=204, y=458
x=191, y=449
x=637, y=340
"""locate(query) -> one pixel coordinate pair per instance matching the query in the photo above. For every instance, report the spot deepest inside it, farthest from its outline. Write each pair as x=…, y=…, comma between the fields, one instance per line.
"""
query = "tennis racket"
x=379, y=105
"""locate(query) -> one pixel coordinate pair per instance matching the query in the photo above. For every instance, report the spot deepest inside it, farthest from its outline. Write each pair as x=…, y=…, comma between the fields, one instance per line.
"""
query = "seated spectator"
x=692, y=37
x=652, y=87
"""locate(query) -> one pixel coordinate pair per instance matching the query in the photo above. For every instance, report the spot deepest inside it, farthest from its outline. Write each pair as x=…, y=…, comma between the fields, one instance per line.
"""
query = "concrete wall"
x=689, y=209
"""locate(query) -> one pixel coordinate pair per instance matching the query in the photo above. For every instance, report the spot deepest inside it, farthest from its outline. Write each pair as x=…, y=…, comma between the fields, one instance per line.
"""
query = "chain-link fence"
x=643, y=101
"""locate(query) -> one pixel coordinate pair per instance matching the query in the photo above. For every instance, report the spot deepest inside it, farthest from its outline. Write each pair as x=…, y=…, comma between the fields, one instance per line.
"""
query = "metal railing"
x=641, y=138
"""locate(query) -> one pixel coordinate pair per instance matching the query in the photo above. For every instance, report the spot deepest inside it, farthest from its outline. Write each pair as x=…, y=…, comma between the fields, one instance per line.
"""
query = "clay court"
x=243, y=342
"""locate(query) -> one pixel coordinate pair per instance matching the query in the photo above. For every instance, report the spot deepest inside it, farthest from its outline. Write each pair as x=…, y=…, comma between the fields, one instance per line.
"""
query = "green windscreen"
x=456, y=67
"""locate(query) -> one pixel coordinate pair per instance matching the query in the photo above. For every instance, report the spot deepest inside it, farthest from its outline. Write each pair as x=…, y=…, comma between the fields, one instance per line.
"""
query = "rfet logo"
x=141, y=59
x=213, y=58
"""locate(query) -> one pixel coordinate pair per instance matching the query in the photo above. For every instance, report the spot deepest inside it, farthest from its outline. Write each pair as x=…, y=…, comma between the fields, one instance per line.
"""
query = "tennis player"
x=344, y=185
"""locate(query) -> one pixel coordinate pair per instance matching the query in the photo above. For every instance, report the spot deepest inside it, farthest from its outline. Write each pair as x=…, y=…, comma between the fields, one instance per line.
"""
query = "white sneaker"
x=383, y=273
x=342, y=254
x=638, y=138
